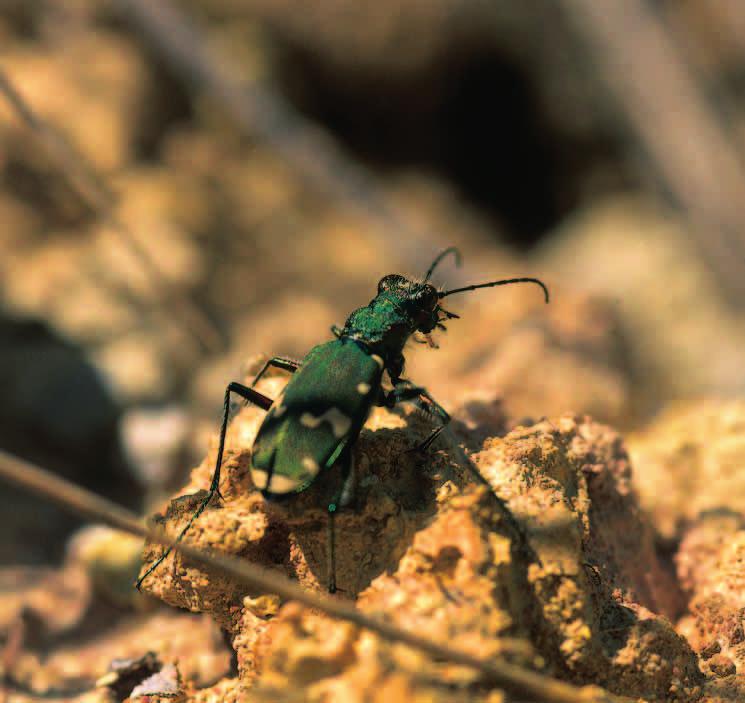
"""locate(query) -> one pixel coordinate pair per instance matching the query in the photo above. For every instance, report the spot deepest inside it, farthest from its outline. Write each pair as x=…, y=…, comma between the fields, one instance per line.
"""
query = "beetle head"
x=418, y=299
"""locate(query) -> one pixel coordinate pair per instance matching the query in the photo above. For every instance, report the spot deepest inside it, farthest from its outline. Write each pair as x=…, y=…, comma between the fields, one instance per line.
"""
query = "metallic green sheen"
x=385, y=324
x=328, y=379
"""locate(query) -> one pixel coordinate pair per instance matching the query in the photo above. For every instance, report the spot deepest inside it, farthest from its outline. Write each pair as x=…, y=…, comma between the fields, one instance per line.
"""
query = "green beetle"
x=314, y=422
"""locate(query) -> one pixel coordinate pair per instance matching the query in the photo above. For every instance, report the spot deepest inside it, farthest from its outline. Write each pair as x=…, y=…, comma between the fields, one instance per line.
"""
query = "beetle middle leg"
x=250, y=395
x=277, y=362
x=405, y=391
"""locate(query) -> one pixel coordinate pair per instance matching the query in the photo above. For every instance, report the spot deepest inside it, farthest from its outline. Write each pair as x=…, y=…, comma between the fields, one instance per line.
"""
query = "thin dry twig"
x=100, y=200
x=262, y=113
x=694, y=157
x=81, y=502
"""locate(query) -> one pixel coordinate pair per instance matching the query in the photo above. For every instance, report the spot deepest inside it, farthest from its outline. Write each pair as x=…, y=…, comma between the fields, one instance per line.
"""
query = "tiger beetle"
x=311, y=427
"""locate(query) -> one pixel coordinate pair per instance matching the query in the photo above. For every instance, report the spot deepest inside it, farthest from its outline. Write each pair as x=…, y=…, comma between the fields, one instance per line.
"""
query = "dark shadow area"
x=168, y=106
x=22, y=17
x=616, y=622
x=33, y=179
x=473, y=117
x=54, y=410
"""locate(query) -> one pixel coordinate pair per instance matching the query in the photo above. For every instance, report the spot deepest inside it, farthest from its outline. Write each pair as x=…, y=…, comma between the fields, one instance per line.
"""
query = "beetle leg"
x=278, y=362
x=406, y=391
x=331, y=547
x=343, y=498
x=251, y=396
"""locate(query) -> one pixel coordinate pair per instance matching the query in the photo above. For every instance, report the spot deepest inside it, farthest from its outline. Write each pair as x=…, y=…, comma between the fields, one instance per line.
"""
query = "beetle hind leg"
x=251, y=396
x=331, y=549
x=343, y=498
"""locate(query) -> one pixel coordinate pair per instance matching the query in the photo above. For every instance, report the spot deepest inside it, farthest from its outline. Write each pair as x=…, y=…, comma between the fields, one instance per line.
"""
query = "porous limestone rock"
x=710, y=567
x=689, y=462
x=690, y=479
x=531, y=548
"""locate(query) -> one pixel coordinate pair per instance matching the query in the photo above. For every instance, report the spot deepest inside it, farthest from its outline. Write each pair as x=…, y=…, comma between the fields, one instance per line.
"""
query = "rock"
x=569, y=356
x=124, y=674
x=100, y=79
x=155, y=439
x=710, y=568
x=689, y=462
x=134, y=365
x=727, y=690
x=630, y=251
x=568, y=484
x=43, y=602
x=59, y=636
x=111, y=559
x=166, y=683
x=533, y=549
x=722, y=666
x=688, y=473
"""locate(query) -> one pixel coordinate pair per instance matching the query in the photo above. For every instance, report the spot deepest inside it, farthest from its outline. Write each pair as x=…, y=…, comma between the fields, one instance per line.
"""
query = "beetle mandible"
x=314, y=423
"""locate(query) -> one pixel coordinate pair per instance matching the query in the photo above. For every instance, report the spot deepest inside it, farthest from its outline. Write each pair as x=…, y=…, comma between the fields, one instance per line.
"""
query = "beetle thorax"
x=381, y=326
x=400, y=308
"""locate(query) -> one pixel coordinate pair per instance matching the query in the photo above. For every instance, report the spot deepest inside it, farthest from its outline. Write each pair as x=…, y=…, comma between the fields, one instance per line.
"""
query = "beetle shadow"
x=393, y=499
x=395, y=494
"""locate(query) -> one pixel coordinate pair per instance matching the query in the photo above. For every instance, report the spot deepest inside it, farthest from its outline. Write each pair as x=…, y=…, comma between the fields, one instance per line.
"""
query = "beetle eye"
x=392, y=280
x=428, y=297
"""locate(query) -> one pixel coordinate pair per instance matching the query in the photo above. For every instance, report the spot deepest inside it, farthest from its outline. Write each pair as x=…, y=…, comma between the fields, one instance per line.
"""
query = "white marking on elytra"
x=280, y=410
x=363, y=388
x=258, y=476
x=283, y=484
x=339, y=422
x=311, y=464
x=378, y=360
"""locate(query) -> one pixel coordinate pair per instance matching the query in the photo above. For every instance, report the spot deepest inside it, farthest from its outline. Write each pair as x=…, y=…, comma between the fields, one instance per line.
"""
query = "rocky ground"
x=532, y=546
x=542, y=545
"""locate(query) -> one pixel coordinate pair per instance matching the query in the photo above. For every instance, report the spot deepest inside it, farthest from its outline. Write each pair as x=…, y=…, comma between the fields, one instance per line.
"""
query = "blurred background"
x=185, y=187
x=189, y=186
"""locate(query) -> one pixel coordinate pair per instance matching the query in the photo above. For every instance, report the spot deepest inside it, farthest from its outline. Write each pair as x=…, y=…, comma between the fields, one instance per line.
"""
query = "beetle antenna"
x=491, y=284
x=450, y=250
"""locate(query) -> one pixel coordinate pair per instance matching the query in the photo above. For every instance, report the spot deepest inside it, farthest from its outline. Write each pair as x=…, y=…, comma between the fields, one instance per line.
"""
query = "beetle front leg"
x=252, y=396
x=406, y=391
